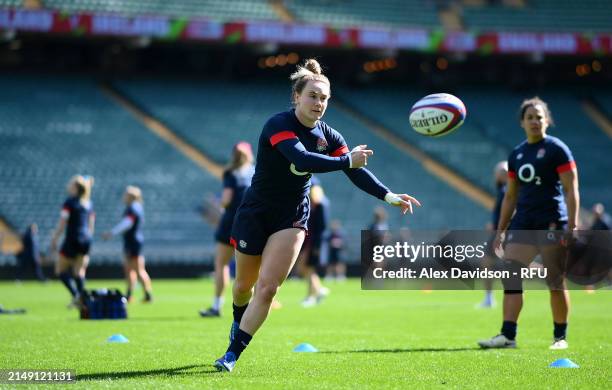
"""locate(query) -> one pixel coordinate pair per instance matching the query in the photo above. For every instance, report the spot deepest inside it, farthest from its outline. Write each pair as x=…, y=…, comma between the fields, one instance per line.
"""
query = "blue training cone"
x=305, y=347
x=563, y=363
x=117, y=338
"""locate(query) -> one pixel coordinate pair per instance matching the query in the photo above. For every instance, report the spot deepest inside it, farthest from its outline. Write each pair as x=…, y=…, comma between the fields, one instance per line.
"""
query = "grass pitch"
x=367, y=339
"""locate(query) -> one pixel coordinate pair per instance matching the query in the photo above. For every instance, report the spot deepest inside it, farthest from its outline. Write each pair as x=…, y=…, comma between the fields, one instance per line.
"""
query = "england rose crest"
x=321, y=144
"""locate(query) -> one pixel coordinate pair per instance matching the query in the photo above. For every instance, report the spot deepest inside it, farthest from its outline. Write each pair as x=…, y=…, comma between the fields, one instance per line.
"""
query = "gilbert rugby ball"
x=438, y=114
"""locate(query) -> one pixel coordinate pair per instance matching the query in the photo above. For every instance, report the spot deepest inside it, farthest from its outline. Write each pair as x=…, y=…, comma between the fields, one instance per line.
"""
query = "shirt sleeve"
x=367, y=182
x=130, y=214
x=306, y=161
x=286, y=141
x=66, y=209
x=229, y=180
x=124, y=225
x=563, y=159
x=337, y=144
x=512, y=165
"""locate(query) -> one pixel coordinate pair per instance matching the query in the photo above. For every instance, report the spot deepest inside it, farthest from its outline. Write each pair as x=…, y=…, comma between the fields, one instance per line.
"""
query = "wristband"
x=392, y=199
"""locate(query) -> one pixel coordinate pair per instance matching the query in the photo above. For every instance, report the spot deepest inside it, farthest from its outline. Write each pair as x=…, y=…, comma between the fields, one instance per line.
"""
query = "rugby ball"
x=438, y=114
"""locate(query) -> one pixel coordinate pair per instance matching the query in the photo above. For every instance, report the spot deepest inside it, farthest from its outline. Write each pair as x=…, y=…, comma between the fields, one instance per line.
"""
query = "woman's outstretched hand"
x=403, y=201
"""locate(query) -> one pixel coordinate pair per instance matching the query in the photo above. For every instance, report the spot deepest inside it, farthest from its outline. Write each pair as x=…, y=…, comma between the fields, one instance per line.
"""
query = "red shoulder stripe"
x=283, y=135
x=340, y=151
x=566, y=167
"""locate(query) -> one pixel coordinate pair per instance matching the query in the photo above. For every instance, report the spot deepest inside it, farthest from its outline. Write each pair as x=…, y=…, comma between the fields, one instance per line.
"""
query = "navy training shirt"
x=78, y=214
x=135, y=212
x=537, y=167
x=238, y=180
x=276, y=179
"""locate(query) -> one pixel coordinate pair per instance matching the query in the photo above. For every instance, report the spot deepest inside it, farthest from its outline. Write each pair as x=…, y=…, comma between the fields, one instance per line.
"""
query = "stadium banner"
x=466, y=259
x=393, y=39
x=412, y=39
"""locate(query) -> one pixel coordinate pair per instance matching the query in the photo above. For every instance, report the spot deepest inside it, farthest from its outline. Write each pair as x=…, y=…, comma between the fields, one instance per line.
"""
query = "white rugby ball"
x=438, y=114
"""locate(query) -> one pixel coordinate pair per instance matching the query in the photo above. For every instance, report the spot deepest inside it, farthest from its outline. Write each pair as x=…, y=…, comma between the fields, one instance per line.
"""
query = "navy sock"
x=80, y=284
x=241, y=340
x=560, y=330
x=509, y=329
x=239, y=311
x=66, y=278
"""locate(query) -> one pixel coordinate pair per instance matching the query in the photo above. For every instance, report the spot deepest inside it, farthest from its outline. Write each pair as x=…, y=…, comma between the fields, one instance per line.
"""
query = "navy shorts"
x=535, y=232
x=74, y=248
x=132, y=249
x=224, y=230
x=255, y=221
x=334, y=256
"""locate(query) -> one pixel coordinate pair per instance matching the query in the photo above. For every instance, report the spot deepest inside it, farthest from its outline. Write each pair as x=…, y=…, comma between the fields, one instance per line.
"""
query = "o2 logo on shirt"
x=527, y=174
x=296, y=172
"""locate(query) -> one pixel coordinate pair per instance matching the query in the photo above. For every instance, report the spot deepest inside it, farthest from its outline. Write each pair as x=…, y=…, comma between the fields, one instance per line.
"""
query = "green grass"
x=367, y=339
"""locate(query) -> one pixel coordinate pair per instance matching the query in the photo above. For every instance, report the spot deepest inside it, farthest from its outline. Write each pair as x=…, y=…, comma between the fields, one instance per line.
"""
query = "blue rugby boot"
x=226, y=362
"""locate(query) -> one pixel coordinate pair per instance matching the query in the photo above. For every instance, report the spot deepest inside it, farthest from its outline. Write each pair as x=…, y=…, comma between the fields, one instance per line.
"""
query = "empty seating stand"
x=53, y=128
x=213, y=9
x=346, y=13
x=542, y=15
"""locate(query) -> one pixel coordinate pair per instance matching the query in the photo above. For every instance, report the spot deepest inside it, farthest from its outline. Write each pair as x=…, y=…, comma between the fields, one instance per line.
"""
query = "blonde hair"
x=316, y=194
x=84, y=185
x=242, y=154
x=310, y=71
x=501, y=166
x=134, y=192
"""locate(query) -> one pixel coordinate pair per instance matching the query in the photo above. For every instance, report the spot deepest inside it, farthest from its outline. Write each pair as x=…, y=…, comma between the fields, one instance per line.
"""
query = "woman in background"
x=76, y=222
x=236, y=180
x=131, y=228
